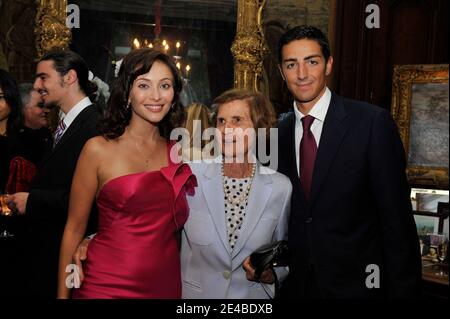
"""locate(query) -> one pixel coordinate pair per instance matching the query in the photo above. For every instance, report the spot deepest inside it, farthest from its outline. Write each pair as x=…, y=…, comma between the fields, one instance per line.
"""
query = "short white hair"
x=25, y=90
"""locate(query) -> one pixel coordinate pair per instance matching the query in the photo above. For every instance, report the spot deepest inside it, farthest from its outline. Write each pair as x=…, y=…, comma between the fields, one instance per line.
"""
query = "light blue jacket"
x=210, y=269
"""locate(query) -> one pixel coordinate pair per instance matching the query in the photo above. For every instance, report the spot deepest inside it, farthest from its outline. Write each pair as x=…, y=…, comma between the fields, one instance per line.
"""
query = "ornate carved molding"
x=51, y=31
x=404, y=78
x=249, y=47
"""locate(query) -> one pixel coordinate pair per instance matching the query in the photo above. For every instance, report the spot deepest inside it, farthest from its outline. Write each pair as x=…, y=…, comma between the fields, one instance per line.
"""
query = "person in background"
x=10, y=119
x=35, y=114
x=33, y=138
x=28, y=145
x=62, y=80
x=197, y=120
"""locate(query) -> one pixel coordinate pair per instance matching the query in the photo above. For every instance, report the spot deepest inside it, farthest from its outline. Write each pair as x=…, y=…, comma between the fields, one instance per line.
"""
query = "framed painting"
x=420, y=107
x=429, y=200
x=427, y=223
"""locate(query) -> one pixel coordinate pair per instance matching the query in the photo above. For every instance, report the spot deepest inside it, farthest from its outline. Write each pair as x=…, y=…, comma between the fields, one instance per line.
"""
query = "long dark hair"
x=66, y=60
x=118, y=115
x=12, y=98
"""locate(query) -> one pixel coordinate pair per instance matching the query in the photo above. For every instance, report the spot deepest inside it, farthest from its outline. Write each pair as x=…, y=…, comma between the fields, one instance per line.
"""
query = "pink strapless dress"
x=135, y=253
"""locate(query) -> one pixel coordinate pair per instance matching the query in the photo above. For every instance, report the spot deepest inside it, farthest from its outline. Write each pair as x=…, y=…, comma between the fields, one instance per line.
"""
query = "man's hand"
x=267, y=276
x=18, y=202
x=80, y=255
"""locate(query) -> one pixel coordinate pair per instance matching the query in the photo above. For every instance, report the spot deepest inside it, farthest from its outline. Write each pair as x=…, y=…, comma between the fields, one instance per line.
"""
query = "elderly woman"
x=197, y=120
x=239, y=206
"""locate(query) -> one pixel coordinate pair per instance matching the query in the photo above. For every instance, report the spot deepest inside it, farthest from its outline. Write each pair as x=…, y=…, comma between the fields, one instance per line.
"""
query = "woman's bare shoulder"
x=99, y=146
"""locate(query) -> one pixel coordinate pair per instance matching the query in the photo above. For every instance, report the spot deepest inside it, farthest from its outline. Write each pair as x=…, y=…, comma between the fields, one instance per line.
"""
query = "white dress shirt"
x=74, y=111
x=319, y=111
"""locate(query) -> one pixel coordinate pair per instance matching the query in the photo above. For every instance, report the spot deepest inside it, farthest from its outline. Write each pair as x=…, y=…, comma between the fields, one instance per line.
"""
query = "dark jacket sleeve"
x=392, y=196
x=43, y=204
x=47, y=204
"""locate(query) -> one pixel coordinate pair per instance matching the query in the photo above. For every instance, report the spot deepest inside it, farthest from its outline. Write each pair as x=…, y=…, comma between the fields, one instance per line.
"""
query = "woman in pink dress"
x=139, y=190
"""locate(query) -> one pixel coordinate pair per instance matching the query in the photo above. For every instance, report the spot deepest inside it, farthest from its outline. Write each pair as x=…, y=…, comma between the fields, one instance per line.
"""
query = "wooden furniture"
x=434, y=285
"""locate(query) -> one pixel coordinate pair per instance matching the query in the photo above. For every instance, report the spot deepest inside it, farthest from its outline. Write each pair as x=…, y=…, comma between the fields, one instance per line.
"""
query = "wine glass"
x=6, y=212
x=442, y=253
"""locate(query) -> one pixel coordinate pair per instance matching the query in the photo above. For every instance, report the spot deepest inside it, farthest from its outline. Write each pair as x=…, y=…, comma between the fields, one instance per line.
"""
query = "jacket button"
x=226, y=274
x=308, y=220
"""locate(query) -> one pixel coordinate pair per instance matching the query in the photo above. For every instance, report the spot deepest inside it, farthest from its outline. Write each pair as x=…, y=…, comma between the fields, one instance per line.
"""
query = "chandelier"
x=169, y=48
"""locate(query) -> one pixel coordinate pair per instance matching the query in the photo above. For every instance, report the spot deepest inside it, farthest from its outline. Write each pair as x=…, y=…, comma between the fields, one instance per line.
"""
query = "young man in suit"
x=351, y=230
x=61, y=79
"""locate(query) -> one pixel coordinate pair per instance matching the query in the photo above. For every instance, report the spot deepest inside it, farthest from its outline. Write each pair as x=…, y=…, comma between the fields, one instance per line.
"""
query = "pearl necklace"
x=242, y=198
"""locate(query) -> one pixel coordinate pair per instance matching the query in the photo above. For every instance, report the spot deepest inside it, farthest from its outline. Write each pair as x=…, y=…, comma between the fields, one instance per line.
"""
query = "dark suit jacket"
x=48, y=202
x=360, y=210
x=31, y=145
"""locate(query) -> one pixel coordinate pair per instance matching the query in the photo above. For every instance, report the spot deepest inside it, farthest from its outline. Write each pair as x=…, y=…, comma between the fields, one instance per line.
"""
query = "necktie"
x=59, y=132
x=308, y=151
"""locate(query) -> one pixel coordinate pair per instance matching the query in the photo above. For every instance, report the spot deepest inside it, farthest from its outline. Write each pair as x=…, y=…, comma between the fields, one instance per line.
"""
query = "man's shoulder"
x=90, y=118
x=359, y=108
x=92, y=112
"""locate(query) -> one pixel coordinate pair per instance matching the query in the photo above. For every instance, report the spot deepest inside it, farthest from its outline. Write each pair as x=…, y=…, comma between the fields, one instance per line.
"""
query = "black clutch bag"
x=269, y=256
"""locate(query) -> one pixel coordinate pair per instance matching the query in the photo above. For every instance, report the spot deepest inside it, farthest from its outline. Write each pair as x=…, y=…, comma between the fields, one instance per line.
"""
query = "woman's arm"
x=82, y=195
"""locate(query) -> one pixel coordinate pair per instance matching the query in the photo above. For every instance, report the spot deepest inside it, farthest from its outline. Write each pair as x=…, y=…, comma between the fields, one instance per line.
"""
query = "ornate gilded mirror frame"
x=249, y=48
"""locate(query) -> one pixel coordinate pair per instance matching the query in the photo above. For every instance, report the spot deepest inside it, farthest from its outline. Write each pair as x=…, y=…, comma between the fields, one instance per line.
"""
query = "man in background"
x=62, y=80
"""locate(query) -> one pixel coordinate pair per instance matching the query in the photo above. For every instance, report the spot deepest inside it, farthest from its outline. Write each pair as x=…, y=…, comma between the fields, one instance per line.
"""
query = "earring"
x=128, y=105
x=171, y=107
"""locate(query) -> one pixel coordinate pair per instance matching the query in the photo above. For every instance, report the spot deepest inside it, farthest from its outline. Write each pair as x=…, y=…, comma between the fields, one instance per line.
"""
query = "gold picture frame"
x=420, y=108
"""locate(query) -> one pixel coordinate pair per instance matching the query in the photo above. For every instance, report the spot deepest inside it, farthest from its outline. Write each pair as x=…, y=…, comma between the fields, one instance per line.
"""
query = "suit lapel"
x=259, y=195
x=293, y=169
x=214, y=195
x=71, y=130
x=334, y=129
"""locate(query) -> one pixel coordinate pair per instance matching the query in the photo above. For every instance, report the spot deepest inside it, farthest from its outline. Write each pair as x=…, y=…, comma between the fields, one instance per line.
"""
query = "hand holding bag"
x=269, y=256
x=21, y=174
